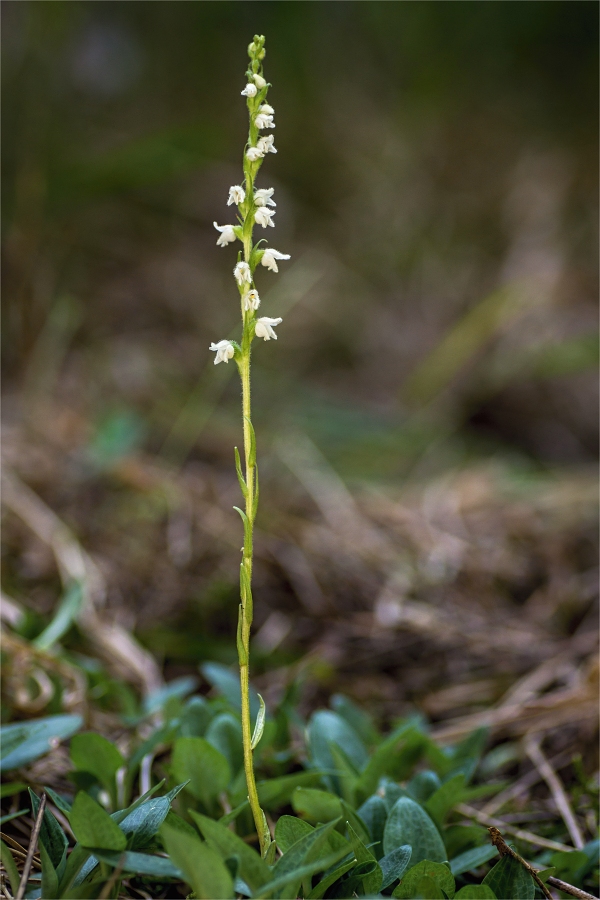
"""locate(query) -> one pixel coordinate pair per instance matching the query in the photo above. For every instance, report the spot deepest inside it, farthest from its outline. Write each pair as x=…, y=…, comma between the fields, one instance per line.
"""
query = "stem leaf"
x=246, y=593
x=238, y=469
x=252, y=453
x=260, y=724
x=242, y=652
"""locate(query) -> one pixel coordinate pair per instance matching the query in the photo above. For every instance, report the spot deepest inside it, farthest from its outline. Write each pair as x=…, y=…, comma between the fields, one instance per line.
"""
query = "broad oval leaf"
x=394, y=865
x=374, y=814
x=254, y=870
x=288, y=830
x=408, y=823
x=412, y=882
x=206, y=769
x=475, y=892
x=22, y=742
x=510, y=881
x=327, y=728
x=92, y=825
x=472, y=859
x=225, y=734
x=93, y=753
x=203, y=868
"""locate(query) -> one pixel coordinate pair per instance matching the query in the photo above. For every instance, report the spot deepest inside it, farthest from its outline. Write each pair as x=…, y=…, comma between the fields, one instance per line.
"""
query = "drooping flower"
x=270, y=255
x=237, y=194
x=259, y=81
x=254, y=153
x=264, y=216
x=265, y=144
x=251, y=300
x=242, y=273
x=250, y=90
x=262, y=197
x=264, y=328
x=224, y=351
x=264, y=121
x=227, y=234
x=266, y=110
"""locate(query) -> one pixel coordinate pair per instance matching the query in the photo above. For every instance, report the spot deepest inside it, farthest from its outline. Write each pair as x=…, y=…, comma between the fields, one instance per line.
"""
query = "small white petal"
x=270, y=255
x=227, y=234
x=262, y=197
x=237, y=195
x=266, y=144
x=264, y=328
x=266, y=110
x=251, y=300
x=242, y=273
x=259, y=81
x=262, y=121
x=264, y=216
x=224, y=350
x=250, y=91
x=254, y=153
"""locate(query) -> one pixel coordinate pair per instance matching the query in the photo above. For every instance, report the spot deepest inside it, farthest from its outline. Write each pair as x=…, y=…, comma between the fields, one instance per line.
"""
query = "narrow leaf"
x=10, y=866
x=259, y=727
x=238, y=469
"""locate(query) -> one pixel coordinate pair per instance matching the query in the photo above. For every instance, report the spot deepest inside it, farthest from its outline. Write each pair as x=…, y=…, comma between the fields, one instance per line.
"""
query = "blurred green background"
x=436, y=183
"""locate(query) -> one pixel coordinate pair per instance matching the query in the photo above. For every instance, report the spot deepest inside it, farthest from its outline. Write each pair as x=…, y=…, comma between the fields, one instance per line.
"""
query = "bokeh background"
x=427, y=420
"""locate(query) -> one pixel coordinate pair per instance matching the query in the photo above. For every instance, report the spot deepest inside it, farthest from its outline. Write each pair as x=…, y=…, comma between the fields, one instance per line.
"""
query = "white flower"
x=266, y=110
x=250, y=91
x=269, y=256
x=264, y=121
x=262, y=197
x=254, y=153
x=237, y=194
x=264, y=216
x=259, y=81
x=242, y=273
x=251, y=300
x=265, y=144
x=264, y=328
x=224, y=351
x=227, y=234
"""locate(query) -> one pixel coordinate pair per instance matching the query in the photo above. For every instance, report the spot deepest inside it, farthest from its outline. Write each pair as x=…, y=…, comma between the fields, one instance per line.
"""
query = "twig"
x=519, y=787
x=32, y=845
x=471, y=813
x=570, y=889
x=536, y=755
x=504, y=850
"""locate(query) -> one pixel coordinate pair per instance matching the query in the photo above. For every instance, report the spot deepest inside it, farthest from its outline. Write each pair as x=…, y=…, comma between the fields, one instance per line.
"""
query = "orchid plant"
x=255, y=206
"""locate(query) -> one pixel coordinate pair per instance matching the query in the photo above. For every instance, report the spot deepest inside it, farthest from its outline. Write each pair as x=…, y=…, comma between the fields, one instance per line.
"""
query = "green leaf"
x=52, y=836
x=10, y=788
x=11, y=816
x=284, y=880
x=408, y=823
x=395, y=756
x=142, y=863
x=423, y=785
x=196, y=717
x=569, y=864
x=372, y=879
x=253, y=869
x=259, y=726
x=358, y=719
x=288, y=830
x=412, y=882
x=228, y=683
x=203, y=868
x=439, y=804
x=277, y=792
x=316, y=805
x=475, y=892
x=49, y=875
x=90, y=752
x=59, y=801
x=545, y=874
x=207, y=770
x=304, y=851
x=374, y=814
x=178, y=688
x=225, y=734
x=10, y=866
x=238, y=469
x=22, y=742
x=326, y=882
x=142, y=823
x=347, y=775
x=252, y=453
x=510, y=881
x=93, y=827
x=68, y=610
x=423, y=888
x=326, y=728
x=391, y=793
x=472, y=859
x=394, y=865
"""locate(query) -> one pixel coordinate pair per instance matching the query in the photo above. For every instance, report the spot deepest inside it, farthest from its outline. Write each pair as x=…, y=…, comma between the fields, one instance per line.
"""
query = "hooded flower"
x=251, y=300
x=269, y=256
x=224, y=351
x=250, y=91
x=264, y=328
x=227, y=234
x=262, y=197
x=264, y=121
x=264, y=216
x=254, y=153
x=259, y=81
x=266, y=110
x=237, y=194
x=265, y=145
x=242, y=273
